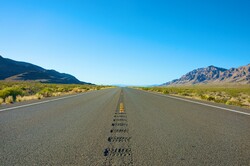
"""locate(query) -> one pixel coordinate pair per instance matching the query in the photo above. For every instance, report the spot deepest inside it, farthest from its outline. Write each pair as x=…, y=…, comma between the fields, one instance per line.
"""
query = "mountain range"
x=214, y=75
x=11, y=70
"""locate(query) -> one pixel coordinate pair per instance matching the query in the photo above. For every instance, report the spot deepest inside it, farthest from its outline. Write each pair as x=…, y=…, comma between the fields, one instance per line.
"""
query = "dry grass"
x=27, y=98
x=23, y=91
x=1, y=100
x=238, y=95
x=9, y=100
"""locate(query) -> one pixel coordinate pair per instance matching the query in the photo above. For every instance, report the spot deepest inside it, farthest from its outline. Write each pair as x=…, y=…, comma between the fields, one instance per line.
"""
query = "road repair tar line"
x=196, y=102
x=42, y=102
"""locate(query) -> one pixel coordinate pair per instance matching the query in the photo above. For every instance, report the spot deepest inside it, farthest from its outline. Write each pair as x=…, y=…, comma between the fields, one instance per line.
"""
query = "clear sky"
x=135, y=42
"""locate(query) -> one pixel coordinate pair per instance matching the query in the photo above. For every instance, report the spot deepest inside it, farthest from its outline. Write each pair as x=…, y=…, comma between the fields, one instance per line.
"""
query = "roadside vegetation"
x=238, y=95
x=11, y=92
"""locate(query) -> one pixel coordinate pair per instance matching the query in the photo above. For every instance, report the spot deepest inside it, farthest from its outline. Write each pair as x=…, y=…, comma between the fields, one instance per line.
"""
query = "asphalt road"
x=123, y=127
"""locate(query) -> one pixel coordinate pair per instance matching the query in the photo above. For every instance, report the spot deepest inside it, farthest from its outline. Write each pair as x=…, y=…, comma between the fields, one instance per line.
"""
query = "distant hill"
x=214, y=75
x=21, y=71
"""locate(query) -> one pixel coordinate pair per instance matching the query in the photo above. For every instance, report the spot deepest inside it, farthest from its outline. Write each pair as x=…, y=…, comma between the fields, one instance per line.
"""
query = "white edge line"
x=41, y=102
x=196, y=102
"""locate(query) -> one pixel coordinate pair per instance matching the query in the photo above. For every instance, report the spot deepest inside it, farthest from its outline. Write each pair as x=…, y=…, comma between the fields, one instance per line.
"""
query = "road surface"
x=123, y=126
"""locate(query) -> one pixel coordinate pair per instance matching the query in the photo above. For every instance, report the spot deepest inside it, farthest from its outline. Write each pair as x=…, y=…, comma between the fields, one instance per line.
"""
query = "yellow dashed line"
x=121, y=107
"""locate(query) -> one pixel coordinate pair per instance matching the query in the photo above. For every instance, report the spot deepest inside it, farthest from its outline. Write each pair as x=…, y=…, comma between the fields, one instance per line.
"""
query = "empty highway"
x=123, y=126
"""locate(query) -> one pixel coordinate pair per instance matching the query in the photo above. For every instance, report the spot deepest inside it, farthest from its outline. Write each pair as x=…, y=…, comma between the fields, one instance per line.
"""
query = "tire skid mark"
x=119, y=150
x=119, y=124
x=120, y=116
x=118, y=139
x=122, y=120
x=119, y=130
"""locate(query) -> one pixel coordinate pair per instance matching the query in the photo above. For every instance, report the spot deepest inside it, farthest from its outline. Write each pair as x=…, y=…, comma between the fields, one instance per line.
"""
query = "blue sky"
x=135, y=42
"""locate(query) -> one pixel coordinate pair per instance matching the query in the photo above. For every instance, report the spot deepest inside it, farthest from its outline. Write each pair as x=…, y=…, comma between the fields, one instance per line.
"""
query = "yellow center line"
x=121, y=107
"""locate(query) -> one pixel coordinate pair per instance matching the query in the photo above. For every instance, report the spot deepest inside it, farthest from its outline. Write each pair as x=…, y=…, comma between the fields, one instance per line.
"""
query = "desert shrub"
x=61, y=89
x=32, y=97
x=144, y=88
x=203, y=97
x=165, y=91
x=227, y=94
x=57, y=94
x=10, y=91
x=21, y=91
x=207, y=97
x=9, y=99
x=84, y=90
x=234, y=102
x=210, y=98
x=184, y=94
x=220, y=100
x=1, y=101
x=39, y=96
x=26, y=98
x=159, y=90
x=46, y=92
x=19, y=98
x=76, y=90
x=233, y=92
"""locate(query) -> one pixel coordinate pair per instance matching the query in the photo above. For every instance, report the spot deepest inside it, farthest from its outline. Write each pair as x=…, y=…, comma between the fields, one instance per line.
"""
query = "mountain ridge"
x=12, y=70
x=214, y=75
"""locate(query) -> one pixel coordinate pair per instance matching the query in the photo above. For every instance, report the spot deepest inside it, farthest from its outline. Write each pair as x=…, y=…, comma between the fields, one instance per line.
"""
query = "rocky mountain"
x=214, y=75
x=21, y=71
